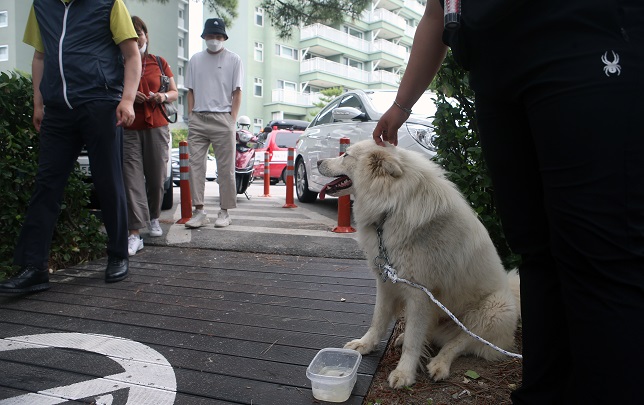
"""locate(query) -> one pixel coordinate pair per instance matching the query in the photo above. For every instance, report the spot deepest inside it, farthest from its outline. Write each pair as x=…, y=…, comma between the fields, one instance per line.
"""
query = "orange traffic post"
x=289, y=179
x=344, y=202
x=184, y=183
x=267, y=174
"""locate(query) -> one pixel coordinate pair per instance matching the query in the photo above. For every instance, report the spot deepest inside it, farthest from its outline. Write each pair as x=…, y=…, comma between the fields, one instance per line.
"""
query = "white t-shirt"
x=213, y=78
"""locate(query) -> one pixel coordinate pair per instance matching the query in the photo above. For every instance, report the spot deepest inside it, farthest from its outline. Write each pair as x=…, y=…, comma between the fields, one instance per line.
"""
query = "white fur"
x=433, y=238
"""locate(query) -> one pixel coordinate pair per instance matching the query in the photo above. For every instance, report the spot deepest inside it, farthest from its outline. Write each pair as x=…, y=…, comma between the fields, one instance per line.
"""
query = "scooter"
x=244, y=155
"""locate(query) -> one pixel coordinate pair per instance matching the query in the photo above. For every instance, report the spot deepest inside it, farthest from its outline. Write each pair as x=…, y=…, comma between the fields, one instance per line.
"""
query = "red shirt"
x=148, y=114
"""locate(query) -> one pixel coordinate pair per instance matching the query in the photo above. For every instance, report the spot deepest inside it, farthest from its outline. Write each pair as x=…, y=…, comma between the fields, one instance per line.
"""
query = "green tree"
x=326, y=96
x=224, y=9
x=286, y=14
x=459, y=150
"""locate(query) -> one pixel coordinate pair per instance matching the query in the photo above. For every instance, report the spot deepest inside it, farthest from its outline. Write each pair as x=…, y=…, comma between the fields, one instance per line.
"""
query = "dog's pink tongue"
x=322, y=194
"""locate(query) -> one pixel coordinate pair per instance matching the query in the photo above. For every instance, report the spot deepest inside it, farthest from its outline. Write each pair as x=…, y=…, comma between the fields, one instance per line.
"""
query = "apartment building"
x=284, y=77
x=168, y=25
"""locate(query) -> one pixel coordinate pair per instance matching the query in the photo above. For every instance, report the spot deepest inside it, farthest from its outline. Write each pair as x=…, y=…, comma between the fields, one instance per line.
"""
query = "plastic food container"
x=333, y=373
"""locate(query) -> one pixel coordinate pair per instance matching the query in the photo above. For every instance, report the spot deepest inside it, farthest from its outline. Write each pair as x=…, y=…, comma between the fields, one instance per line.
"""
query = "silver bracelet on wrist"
x=407, y=110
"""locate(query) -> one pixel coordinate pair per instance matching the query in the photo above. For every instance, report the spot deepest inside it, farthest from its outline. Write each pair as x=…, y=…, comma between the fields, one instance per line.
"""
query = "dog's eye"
x=345, y=154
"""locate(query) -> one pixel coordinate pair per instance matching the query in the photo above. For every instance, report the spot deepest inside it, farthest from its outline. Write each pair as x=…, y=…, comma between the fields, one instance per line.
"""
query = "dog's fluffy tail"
x=513, y=279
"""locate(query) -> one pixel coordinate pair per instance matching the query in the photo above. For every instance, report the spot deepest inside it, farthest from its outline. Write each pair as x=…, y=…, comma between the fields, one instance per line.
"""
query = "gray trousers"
x=145, y=165
x=217, y=129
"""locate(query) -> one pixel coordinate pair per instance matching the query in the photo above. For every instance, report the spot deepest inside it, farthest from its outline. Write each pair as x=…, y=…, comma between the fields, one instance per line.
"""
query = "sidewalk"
x=204, y=317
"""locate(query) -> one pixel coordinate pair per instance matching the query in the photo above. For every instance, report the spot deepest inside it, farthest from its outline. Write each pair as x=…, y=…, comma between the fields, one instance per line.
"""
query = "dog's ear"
x=383, y=163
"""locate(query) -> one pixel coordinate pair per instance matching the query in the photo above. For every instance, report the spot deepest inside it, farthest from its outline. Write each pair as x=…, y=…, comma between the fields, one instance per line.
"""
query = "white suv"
x=354, y=115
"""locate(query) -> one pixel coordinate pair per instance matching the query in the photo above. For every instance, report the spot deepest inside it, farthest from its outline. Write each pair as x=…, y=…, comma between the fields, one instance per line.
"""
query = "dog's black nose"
x=319, y=162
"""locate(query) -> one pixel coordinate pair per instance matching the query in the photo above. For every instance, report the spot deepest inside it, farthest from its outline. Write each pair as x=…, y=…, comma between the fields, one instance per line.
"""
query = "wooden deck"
x=235, y=328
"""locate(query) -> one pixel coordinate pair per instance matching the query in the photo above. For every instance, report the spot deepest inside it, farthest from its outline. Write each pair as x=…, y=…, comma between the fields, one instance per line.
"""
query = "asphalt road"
x=262, y=225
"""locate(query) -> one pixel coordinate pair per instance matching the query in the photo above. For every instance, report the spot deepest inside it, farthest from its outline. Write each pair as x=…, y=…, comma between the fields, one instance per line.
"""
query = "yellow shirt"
x=120, y=25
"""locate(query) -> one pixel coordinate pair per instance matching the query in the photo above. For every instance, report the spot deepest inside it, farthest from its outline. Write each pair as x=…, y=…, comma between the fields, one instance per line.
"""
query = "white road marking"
x=148, y=375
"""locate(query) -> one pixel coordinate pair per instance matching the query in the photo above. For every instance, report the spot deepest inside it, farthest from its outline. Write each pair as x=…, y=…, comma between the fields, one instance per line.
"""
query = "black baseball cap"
x=214, y=26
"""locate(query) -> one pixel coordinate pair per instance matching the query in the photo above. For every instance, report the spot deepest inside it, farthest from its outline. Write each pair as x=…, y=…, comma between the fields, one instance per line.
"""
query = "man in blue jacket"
x=86, y=70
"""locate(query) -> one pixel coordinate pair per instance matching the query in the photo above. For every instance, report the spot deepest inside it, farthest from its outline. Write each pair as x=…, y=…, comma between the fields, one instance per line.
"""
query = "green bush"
x=77, y=236
x=179, y=135
x=459, y=150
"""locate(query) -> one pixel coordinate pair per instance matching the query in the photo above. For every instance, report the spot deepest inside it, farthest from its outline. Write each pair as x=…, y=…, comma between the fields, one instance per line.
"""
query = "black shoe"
x=116, y=269
x=30, y=279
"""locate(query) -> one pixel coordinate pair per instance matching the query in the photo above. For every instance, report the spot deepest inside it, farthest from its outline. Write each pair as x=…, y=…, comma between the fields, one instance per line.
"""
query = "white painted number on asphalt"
x=148, y=375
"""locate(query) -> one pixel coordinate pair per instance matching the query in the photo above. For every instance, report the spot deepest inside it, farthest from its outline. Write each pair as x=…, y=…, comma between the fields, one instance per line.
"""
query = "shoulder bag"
x=168, y=109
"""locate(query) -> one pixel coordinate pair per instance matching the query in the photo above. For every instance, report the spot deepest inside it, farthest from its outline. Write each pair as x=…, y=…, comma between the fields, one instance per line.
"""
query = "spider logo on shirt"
x=611, y=67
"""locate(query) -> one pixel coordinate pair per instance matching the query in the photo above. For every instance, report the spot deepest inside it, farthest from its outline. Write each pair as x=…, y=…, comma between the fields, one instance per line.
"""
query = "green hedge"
x=459, y=150
x=77, y=237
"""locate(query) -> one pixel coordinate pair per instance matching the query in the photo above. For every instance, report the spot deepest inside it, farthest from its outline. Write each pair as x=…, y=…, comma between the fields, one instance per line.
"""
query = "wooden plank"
x=236, y=328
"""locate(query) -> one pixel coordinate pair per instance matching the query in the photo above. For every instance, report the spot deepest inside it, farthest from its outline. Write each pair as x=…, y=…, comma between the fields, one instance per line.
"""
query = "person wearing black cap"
x=214, y=81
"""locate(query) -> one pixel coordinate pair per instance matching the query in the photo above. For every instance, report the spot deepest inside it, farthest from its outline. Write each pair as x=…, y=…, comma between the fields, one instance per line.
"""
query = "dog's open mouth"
x=340, y=183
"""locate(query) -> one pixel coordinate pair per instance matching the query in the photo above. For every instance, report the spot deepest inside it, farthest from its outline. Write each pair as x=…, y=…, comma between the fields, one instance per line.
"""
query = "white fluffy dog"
x=432, y=237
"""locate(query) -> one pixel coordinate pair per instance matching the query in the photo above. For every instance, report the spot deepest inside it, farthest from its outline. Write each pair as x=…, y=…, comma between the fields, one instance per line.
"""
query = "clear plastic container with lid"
x=333, y=373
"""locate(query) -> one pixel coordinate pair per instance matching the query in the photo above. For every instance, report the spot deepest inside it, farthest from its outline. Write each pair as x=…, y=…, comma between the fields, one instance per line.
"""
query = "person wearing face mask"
x=214, y=82
x=145, y=144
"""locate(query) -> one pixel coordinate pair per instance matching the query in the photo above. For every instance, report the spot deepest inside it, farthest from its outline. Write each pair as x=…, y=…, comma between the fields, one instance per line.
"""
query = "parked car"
x=276, y=138
x=168, y=195
x=211, y=167
x=354, y=115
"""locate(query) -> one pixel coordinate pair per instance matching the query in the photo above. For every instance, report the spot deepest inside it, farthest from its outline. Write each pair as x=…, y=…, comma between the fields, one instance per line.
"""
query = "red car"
x=277, y=137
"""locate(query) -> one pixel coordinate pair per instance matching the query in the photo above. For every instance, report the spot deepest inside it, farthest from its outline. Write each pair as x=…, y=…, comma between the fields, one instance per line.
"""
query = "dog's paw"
x=399, y=379
x=438, y=370
x=399, y=340
x=360, y=346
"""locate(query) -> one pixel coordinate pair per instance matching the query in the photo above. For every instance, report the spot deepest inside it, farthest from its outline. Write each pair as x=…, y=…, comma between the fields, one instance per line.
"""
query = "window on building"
x=258, y=125
x=286, y=52
x=181, y=41
x=259, y=52
x=353, y=32
x=258, y=90
x=181, y=13
x=353, y=63
x=259, y=16
x=4, y=18
x=4, y=53
x=284, y=85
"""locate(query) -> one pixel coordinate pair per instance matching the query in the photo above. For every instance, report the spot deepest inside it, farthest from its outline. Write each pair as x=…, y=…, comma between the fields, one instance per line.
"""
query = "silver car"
x=354, y=115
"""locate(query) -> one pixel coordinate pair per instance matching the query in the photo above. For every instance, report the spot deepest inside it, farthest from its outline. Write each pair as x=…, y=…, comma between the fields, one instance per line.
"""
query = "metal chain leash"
x=388, y=272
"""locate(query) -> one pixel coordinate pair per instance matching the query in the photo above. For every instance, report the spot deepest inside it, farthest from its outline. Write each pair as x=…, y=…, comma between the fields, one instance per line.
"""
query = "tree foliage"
x=459, y=150
x=287, y=14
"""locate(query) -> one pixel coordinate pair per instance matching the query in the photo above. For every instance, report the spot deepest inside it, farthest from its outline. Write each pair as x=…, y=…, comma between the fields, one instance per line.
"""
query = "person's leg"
x=511, y=160
x=155, y=166
x=223, y=141
x=104, y=143
x=199, y=129
x=60, y=145
x=134, y=179
x=590, y=141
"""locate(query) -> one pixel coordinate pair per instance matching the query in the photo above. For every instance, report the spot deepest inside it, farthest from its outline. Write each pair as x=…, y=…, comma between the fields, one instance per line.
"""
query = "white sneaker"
x=134, y=244
x=199, y=219
x=155, y=228
x=223, y=219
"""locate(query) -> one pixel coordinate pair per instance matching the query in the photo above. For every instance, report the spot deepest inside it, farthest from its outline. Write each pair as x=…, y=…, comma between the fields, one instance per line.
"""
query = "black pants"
x=565, y=147
x=63, y=133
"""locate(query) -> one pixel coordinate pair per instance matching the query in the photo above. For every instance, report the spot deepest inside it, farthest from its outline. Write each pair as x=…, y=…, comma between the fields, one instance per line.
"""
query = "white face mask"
x=143, y=48
x=214, y=45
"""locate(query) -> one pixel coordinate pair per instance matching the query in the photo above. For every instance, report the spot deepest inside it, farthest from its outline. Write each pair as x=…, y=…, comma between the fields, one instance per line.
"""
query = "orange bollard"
x=289, y=179
x=344, y=202
x=184, y=183
x=267, y=174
